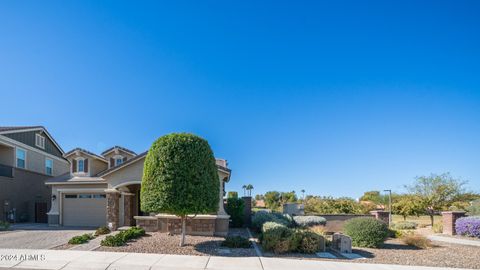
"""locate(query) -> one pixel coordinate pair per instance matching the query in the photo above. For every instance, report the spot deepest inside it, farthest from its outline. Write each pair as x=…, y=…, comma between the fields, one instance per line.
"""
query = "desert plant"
x=122, y=237
x=416, y=240
x=102, y=230
x=276, y=237
x=405, y=225
x=236, y=242
x=366, y=232
x=262, y=217
x=180, y=177
x=469, y=226
x=437, y=228
x=235, y=209
x=81, y=239
x=320, y=230
x=309, y=221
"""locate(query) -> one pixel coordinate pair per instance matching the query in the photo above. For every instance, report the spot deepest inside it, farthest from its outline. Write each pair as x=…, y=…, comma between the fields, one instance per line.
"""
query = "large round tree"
x=180, y=178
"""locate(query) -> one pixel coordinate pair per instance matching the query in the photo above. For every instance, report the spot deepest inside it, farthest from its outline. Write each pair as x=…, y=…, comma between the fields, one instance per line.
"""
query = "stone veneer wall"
x=448, y=219
x=205, y=226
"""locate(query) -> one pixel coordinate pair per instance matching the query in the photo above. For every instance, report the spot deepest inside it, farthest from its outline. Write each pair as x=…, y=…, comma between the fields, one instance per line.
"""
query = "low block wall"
x=205, y=225
x=335, y=222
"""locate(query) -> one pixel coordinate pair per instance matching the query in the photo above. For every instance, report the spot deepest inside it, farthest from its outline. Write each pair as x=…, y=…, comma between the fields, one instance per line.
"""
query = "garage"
x=84, y=210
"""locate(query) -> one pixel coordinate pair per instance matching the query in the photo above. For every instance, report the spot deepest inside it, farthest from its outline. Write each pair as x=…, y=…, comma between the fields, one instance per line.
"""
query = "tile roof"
x=119, y=147
x=68, y=178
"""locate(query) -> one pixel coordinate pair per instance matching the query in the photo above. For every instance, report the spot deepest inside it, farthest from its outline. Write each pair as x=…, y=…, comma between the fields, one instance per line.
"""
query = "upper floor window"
x=81, y=165
x=21, y=156
x=48, y=166
x=40, y=141
x=118, y=161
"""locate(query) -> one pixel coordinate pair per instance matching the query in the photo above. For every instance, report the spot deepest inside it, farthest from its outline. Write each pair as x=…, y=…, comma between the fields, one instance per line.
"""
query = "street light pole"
x=389, y=206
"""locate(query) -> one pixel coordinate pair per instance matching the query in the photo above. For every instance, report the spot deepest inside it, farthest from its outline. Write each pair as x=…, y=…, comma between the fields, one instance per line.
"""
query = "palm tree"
x=249, y=188
x=303, y=193
x=244, y=188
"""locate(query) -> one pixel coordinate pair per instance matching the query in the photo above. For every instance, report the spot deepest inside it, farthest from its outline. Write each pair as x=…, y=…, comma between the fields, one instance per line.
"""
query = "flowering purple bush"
x=469, y=226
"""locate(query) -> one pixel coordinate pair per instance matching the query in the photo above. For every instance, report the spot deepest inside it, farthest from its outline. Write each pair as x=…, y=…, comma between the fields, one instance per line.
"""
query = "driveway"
x=38, y=236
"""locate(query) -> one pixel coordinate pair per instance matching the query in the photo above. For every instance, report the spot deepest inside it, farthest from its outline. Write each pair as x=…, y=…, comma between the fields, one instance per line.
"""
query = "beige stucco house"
x=104, y=190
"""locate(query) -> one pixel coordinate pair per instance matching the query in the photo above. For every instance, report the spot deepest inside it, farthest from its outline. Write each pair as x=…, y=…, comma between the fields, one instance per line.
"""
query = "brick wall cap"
x=454, y=212
x=145, y=218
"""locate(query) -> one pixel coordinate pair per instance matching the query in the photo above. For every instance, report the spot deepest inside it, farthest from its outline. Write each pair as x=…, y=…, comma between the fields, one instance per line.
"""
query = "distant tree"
x=180, y=177
x=330, y=205
x=303, y=194
x=408, y=205
x=373, y=196
x=288, y=197
x=462, y=201
x=232, y=194
x=436, y=192
x=244, y=187
x=259, y=197
x=249, y=188
x=272, y=199
x=474, y=208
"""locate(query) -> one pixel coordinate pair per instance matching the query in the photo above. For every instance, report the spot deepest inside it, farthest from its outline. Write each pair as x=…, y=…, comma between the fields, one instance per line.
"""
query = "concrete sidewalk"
x=92, y=260
x=453, y=240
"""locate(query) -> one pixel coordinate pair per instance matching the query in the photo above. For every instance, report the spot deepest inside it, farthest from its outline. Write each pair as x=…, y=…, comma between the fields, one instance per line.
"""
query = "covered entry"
x=84, y=209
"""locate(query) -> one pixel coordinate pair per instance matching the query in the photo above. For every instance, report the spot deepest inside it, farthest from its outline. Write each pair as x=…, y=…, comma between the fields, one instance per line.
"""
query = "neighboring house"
x=104, y=189
x=28, y=157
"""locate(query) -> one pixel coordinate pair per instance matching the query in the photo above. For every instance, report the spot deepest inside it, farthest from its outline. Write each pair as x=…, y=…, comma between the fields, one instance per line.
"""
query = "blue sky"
x=333, y=97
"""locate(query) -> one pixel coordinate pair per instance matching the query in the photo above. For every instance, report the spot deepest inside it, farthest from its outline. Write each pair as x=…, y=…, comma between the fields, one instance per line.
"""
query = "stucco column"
x=221, y=210
x=113, y=208
x=128, y=201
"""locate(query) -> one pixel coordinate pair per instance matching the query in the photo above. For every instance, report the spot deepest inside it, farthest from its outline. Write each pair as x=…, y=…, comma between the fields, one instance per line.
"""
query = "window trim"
x=16, y=158
x=51, y=168
x=40, y=141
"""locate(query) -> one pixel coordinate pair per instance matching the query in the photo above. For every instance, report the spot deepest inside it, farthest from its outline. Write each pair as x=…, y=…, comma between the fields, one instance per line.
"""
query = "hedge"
x=122, y=237
x=262, y=217
x=366, y=232
x=405, y=225
x=235, y=209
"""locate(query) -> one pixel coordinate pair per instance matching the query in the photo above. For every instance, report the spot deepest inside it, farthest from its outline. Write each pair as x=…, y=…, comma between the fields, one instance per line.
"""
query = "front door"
x=41, y=212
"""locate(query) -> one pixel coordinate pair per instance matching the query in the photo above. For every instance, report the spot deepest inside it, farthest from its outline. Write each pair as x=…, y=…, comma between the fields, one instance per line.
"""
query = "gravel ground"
x=162, y=243
x=395, y=252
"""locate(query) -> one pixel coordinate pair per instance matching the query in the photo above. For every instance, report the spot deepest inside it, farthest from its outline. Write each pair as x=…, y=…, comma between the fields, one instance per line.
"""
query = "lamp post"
x=389, y=206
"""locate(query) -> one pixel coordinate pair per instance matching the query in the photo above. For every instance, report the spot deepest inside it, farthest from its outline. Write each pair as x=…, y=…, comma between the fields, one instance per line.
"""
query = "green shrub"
x=102, y=230
x=236, y=242
x=437, y=227
x=81, y=239
x=307, y=242
x=262, y=217
x=4, y=225
x=122, y=237
x=405, y=225
x=276, y=237
x=366, y=232
x=235, y=209
x=309, y=221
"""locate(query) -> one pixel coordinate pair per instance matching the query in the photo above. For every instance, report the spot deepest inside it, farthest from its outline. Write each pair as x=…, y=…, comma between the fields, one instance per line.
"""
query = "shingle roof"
x=85, y=151
x=18, y=128
x=126, y=163
x=119, y=147
x=68, y=178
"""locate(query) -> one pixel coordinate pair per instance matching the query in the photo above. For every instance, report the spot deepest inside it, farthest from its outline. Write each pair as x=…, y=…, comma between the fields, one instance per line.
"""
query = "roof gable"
x=26, y=135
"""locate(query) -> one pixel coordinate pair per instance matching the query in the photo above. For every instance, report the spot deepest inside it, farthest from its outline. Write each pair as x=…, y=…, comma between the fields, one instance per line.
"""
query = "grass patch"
x=422, y=221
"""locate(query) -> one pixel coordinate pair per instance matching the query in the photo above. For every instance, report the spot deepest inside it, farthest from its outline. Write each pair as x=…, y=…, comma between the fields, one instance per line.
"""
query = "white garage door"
x=84, y=210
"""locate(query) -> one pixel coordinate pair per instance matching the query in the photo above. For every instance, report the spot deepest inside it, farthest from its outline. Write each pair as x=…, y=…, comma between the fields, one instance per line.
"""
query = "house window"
x=40, y=141
x=21, y=158
x=70, y=196
x=118, y=161
x=49, y=166
x=99, y=196
x=81, y=165
x=84, y=196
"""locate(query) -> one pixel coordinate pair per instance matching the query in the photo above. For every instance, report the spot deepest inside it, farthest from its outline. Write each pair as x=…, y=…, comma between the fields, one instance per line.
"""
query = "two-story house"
x=104, y=190
x=28, y=157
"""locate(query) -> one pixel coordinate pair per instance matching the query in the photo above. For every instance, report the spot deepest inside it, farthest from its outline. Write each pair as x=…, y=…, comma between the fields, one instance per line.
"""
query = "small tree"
x=436, y=192
x=232, y=194
x=408, y=205
x=180, y=178
x=272, y=199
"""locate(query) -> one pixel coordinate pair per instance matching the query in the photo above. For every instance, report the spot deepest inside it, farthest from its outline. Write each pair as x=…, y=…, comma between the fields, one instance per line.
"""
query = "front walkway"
x=453, y=240
x=80, y=260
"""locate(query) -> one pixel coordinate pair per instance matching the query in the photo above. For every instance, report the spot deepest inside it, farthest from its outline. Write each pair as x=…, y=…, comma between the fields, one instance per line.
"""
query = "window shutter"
x=112, y=162
x=124, y=159
x=85, y=165
x=74, y=165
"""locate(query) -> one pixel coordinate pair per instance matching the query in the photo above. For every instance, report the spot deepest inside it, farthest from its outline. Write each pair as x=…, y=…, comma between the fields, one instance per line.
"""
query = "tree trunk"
x=404, y=218
x=431, y=219
x=182, y=240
